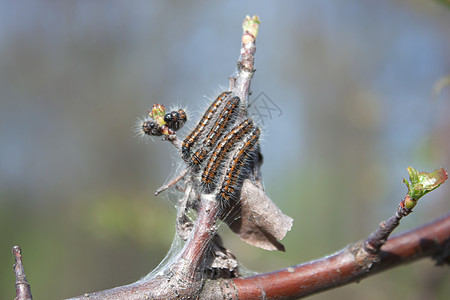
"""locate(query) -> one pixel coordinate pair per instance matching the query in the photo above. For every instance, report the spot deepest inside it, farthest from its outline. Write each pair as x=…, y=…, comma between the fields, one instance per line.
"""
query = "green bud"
x=423, y=183
x=251, y=25
x=409, y=203
x=158, y=110
x=157, y=114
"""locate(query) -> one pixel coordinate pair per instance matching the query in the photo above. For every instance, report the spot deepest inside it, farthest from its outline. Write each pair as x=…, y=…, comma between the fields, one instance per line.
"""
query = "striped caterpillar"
x=225, y=119
x=191, y=139
x=238, y=169
x=219, y=155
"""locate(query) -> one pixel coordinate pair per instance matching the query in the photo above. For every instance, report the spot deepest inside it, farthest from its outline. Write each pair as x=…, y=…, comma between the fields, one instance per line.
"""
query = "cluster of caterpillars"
x=221, y=150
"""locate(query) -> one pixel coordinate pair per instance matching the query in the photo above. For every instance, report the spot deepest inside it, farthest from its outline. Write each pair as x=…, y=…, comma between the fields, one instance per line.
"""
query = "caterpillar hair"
x=238, y=169
x=192, y=137
x=220, y=154
x=224, y=121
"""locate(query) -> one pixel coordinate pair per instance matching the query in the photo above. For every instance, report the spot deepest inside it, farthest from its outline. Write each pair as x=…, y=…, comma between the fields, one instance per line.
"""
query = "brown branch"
x=351, y=264
x=23, y=290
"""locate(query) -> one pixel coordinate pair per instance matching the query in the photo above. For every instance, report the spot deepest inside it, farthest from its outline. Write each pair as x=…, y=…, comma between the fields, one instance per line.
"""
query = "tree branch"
x=349, y=265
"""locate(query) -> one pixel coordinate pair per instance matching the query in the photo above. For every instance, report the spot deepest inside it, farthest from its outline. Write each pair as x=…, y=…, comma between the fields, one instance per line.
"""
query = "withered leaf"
x=257, y=220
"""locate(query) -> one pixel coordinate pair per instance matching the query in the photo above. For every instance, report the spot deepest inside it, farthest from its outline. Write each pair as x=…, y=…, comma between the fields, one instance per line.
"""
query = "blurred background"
x=352, y=84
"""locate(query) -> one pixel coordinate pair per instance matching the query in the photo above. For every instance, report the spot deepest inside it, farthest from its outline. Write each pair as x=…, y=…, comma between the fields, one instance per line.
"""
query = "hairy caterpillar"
x=225, y=119
x=238, y=169
x=175, y=119
x=190, y=140
x=219, y=155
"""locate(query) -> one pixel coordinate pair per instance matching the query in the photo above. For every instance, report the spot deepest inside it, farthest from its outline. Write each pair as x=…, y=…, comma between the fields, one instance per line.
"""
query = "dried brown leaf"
x=260, y=222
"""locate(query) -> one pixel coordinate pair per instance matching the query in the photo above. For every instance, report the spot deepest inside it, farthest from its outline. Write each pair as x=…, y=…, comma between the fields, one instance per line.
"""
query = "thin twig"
x=246, y=63
x=171, y=183
x=421, y=184
x=379, y=237
x=23, y=290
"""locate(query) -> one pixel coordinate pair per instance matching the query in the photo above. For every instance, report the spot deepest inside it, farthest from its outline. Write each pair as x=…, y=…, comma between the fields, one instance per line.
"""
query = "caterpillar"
x=216, y=160
x=225, y=119
x=175, y=119
x=151, y=128
x=194, y=135
x=237, y=169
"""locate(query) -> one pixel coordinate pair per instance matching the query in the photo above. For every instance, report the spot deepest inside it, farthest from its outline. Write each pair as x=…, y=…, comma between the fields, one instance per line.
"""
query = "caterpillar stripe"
x=193, y=136
x=225, y=119
x=237, y=169
x=219, y=154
